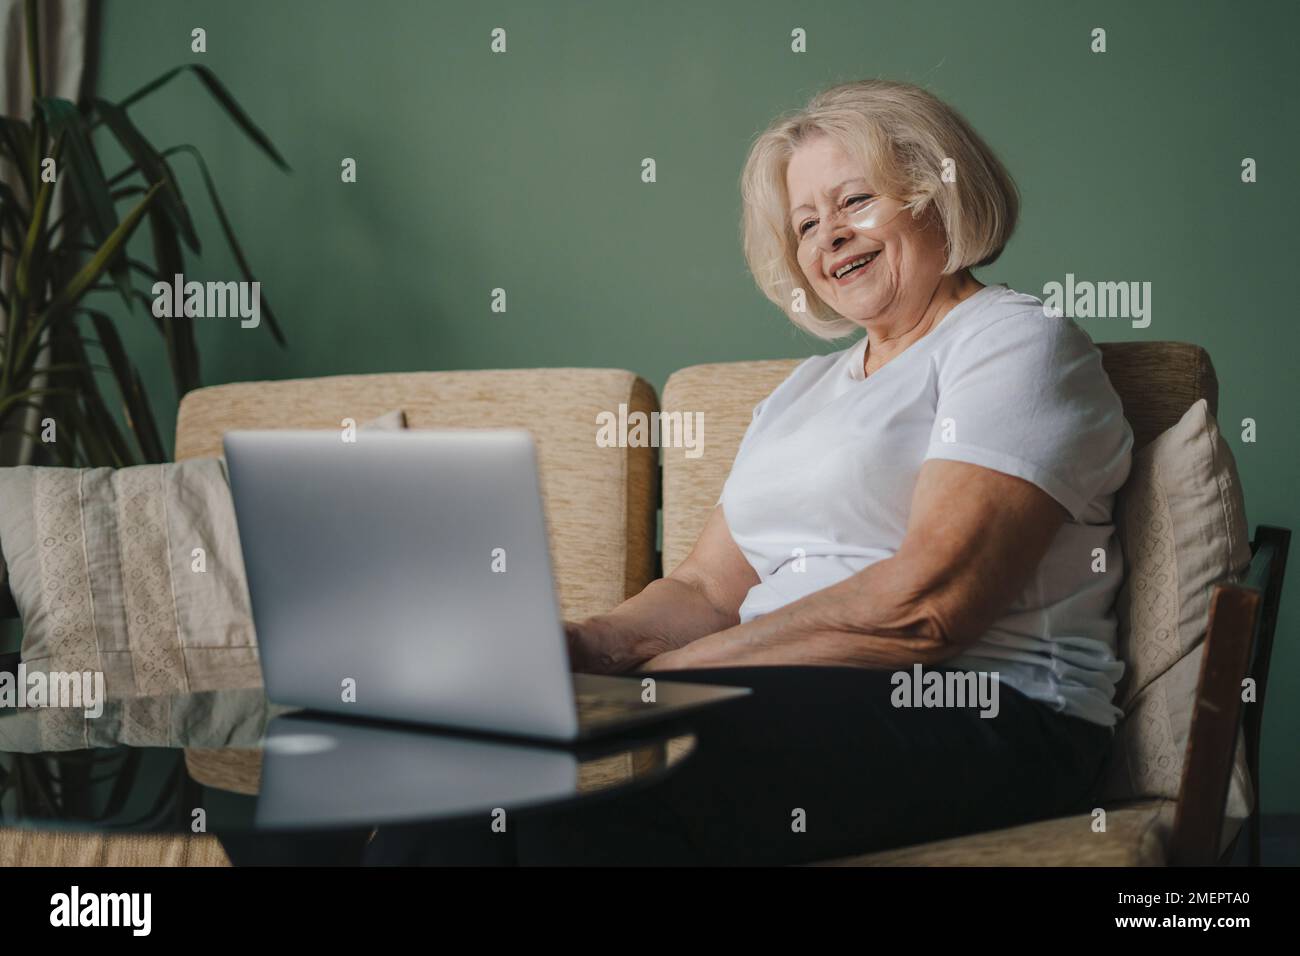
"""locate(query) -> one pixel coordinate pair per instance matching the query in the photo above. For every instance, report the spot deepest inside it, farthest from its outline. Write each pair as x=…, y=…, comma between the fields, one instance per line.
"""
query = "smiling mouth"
x=856, y=267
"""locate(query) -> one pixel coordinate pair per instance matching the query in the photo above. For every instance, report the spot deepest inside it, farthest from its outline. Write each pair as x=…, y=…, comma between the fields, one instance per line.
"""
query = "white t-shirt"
x=826, y=470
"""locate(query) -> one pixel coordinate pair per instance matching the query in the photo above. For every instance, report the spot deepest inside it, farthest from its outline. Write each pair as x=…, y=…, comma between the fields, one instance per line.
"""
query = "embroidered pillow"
x=133, y=572
x=1182, y=521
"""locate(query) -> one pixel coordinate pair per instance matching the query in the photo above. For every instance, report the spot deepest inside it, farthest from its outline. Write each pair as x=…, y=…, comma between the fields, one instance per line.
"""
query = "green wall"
x=523, y=171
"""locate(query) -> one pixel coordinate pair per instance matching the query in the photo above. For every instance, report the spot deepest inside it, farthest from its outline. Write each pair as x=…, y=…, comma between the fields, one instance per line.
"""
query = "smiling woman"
x=934, y=495
x=883, y=148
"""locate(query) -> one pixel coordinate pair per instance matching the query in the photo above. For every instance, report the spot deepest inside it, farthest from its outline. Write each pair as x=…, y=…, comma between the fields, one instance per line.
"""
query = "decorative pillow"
x=133, y=572
x=1182, y=522
x=228, y=718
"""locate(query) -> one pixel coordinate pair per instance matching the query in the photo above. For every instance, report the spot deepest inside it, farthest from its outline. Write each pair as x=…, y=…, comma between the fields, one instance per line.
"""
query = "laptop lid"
x=403, y=575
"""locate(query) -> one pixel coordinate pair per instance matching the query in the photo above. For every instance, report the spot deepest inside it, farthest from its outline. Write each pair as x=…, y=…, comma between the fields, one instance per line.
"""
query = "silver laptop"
x=406, y=575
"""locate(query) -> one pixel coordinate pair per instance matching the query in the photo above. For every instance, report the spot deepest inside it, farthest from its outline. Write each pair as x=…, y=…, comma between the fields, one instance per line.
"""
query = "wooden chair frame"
x=1238, y=644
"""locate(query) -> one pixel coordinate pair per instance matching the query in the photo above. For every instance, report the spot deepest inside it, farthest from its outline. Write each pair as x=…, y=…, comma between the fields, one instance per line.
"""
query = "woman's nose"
x=836, y=234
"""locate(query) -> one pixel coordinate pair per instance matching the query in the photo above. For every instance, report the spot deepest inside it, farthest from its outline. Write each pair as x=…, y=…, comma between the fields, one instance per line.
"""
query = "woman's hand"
x=596, y=647
x=974, y=538
x=585, y=653
x=667, y=661
x=701, y=596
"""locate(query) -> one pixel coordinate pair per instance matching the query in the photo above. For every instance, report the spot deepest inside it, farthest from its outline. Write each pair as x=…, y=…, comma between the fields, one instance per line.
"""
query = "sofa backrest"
x=1156, y=381
x=725, y=393
x=599, y=502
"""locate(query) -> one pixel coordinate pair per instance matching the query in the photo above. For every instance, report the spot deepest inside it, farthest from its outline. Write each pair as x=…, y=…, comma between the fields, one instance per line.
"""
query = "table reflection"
x=251, y=764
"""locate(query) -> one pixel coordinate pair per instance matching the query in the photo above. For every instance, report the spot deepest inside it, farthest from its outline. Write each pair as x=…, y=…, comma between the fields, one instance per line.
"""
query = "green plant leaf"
x=11, y=216
x=223, y=97
x=88, y=183
x=147, y=303
x=98, y=434
x=97, y=430
x=87, y=175
x=33, y=244
x=229, y=233
x=139, y=415
x=178, y=331
x=93, y=269
x=146, y=270
x=56, y=369
x=16, y=143
x=123, y=192
x=20, y=429
x=15, y=397
x=153, y=166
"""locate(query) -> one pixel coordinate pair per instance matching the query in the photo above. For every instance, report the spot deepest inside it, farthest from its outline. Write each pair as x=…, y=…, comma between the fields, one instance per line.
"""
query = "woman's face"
x=822, y=180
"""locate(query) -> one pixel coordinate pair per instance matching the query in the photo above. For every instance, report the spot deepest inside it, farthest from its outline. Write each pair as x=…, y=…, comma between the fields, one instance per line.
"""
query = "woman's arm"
x=974, y=538
x=701, y=596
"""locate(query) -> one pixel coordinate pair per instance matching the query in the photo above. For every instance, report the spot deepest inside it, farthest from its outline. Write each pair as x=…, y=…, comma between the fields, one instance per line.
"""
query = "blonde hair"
x=900, y=135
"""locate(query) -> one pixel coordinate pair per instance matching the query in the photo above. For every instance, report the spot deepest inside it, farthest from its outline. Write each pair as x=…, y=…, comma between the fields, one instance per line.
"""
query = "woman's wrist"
x=612, y=650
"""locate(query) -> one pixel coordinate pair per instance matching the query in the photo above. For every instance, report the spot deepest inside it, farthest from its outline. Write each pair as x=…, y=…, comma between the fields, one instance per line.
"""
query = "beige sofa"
x=601, y=505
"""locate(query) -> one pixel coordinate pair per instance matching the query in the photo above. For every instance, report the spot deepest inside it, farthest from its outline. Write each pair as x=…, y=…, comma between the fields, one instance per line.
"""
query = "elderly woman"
x=938, y=494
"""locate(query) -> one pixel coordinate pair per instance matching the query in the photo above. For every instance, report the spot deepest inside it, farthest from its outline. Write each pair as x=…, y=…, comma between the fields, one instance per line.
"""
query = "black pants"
x=824, y=745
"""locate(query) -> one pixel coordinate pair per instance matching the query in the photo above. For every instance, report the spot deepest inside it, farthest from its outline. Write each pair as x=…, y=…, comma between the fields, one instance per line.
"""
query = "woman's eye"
x=851, y=201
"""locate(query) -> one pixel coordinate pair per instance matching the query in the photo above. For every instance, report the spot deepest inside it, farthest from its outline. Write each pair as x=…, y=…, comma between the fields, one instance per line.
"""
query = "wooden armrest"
x=1237, y=644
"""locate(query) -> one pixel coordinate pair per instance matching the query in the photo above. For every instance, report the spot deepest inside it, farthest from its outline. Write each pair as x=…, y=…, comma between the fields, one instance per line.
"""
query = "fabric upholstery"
x=102, y=567
x=599, y=502
x=1183, y=526
x=726, y=394
x=20, y=847
x=1135, y=835
x=231, y=718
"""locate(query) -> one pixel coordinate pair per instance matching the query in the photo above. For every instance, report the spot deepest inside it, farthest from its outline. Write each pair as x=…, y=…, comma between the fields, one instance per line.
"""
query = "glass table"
x=231, y=762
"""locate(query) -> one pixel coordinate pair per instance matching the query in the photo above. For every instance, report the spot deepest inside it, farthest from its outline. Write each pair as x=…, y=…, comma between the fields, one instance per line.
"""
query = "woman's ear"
x=929, y=220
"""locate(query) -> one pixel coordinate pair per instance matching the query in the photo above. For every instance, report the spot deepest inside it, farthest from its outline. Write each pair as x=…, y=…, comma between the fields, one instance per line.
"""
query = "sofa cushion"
x=235, y=719
x=600, y=502
x=726, y=395
x=1182, y=524
x=102, y=571
x=105, y=568
x=19, y=847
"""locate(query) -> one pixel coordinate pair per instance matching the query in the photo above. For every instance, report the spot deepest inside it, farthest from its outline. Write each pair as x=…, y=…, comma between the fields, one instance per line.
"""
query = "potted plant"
x=65, y=224
x=64, y=227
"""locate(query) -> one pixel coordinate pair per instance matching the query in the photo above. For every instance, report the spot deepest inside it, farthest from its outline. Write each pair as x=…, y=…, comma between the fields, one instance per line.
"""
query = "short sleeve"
x=1027, y=396
x=753, y=426
x=750, y=430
